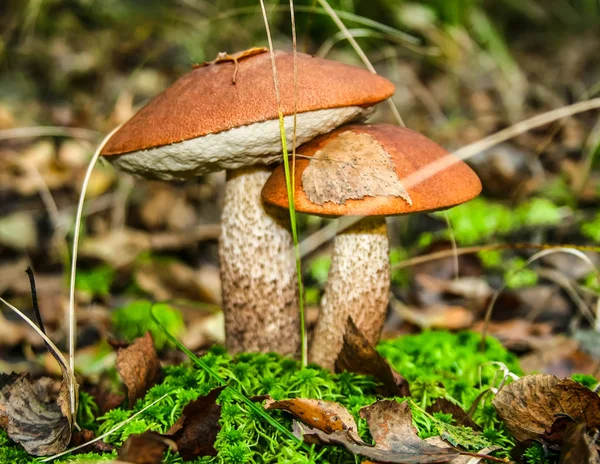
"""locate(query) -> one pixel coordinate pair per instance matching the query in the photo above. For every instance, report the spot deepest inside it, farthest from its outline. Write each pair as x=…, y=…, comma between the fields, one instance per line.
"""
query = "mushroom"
x=357, y=170
x=224, y=115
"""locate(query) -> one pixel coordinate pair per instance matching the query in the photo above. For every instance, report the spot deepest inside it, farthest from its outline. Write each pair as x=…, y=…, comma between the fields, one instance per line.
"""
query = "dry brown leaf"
x=325, y=416
x=146, y=448
x=196, y=430
x=529, y=405
x=360, y=357
x=466, y=459
x=32, y=416
x=578, y=446
x=351, y=166
x=85, y=436
x=390, y=424
x=139, y=367
x=458, y=413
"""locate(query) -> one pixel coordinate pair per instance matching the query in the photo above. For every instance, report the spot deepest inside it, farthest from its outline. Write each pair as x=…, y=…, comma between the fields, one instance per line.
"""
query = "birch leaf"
x=351, y=166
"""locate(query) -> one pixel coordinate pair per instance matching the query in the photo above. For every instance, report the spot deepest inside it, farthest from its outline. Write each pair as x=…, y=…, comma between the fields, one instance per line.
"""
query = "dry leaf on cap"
x=351, y=166
x=32, y=416
x=196, y=430
x=325, y=416
x=390, y=424
x=529, y=406
x=358, y=356
x=145, y=448
x=139, y=367
x=578, y=446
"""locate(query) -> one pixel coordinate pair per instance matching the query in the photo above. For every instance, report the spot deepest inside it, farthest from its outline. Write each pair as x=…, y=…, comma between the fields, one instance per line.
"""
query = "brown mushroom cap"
x=206, y=101
x=409, y=152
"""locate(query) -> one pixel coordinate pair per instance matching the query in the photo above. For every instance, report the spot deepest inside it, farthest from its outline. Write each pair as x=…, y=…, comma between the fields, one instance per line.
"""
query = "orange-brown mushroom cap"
x=207, y=101
x=410, y=152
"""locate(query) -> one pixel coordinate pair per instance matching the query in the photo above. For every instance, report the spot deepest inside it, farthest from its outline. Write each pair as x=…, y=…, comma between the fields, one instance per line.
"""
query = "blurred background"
x=71, y=70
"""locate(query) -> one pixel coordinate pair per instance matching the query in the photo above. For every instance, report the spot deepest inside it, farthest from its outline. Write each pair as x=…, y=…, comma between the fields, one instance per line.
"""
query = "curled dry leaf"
x=145, y=448
x=32, y=416
x=578, y=446
x=193, y=435
x=529, y=406
x=360, y=357
x=325, y=416
x=351, y=166
x=390, y=424
x=458, y=413
x=466, y=459
x=196, y=430
x=85, y=436
x=139, y=367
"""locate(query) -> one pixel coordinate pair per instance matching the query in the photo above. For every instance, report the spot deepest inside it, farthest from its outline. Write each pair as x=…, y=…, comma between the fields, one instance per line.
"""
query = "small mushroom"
x=357, y=170
x=224, y=115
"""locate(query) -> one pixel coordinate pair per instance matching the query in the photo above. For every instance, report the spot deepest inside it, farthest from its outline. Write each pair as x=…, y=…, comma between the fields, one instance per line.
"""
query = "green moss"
x=437, y=364
x=133, y=321
x=96, y=281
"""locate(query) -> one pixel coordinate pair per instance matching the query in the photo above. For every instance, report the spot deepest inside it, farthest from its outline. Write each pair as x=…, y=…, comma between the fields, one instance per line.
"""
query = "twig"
x=34, y=299
x=49, y=131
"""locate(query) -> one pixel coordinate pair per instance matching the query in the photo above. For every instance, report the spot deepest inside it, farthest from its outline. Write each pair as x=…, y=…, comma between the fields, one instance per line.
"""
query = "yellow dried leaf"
x=351, y=166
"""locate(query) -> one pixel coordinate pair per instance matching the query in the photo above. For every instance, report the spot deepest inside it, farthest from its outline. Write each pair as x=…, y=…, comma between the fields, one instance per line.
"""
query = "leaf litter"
x=535, y=406
x=193, y=435
x=139, y=367
x=396, y=440
x=351, y=166
x=359, y=357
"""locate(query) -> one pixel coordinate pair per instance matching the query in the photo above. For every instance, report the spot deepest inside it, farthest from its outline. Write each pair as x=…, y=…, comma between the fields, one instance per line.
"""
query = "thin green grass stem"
x=290, y=189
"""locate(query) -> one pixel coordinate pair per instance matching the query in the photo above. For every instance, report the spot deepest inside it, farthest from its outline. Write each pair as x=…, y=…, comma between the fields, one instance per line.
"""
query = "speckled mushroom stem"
x=258, y=272
x=358, y=286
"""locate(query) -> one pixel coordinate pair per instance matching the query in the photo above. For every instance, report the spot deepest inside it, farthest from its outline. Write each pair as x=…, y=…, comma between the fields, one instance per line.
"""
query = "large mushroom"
x=224, y=115
x=357, y=170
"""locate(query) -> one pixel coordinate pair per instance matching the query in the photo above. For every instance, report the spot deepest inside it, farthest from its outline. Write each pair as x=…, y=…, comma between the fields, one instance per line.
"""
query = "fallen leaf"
x=85, y=436
x=437, y=441
x=351, y=166
x=390, y=424
x=139, y=367
x=439, y=316
x=458, y=413
x=145, y=448
x=121, y=247
x=18, y=230
x=32, y=416
x=560, y=356
x=578, y=446
x=325, y=416
x=529, y=405
x=196, y=430
x=358, y=356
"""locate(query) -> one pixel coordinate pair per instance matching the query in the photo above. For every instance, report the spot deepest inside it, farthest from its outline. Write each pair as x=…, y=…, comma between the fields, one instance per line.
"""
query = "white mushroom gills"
x=358, y=286
x=258, y=143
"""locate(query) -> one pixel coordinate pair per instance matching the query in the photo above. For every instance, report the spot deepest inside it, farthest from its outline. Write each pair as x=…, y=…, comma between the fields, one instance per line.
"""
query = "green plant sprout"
x=96, y=281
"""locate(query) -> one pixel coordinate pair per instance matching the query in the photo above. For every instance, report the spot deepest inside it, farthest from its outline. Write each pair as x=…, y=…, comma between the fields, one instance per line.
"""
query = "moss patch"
x=437, y=364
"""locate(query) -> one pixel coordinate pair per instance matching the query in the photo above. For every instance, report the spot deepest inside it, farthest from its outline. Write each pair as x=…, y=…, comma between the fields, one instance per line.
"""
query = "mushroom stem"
x=358, y=286
x=258, y=272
